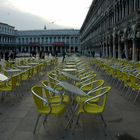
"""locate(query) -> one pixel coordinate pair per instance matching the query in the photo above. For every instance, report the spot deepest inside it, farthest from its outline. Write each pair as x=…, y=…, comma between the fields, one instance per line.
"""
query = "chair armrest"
x=92, y=91
x=87, y=84
x=41, y=98
x=82, y=82
x=97, y=96
x=53, y=90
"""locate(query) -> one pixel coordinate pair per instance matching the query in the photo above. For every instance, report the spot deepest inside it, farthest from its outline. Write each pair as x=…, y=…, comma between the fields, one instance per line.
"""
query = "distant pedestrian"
x=64, y=55
x=11, y=55
x=93, y=54
x=6, y=56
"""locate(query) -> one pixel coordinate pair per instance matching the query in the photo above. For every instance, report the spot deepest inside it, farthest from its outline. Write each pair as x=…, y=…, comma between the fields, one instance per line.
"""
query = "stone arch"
x=129, y=36
x=137, y=37
x=116, y=38
x=111, y=45
x=121, y=43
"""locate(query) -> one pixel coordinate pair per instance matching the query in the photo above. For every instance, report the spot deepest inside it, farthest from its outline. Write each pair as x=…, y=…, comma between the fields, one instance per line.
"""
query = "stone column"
x=134, y=53
x=114, y=47
x=119, y=49
x=110, y=46
x=103, y=51
x=126, y=49
x=106, y=50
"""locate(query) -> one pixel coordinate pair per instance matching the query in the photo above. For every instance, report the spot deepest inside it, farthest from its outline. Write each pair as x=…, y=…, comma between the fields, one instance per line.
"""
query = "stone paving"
x=18, y=116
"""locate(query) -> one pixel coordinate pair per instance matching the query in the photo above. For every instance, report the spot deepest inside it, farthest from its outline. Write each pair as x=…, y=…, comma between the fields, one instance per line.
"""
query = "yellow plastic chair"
x=135, y=86
x=88, y=85
x=95, y=109
x=59, y=95
x=44, y=107
x=9, y=86
x=86, y=79
x=96, y=84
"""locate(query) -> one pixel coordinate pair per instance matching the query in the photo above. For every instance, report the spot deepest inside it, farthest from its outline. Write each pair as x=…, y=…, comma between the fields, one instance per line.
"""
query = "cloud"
x=23, y=21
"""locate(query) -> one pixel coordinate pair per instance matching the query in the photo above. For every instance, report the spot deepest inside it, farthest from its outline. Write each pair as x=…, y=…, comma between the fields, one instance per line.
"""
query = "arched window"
x=138, y=4
x=128, y=7
x=133, y=5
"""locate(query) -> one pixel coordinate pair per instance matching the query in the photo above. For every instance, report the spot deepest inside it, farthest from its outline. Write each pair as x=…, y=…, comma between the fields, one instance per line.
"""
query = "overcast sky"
x=34, y=14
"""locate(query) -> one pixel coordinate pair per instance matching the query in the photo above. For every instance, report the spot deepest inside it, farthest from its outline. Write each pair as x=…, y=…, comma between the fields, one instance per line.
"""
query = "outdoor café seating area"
x=80, y=98
x=123, y=74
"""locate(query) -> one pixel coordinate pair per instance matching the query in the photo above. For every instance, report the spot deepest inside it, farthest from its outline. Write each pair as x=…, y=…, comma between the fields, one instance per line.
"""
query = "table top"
x=24, y=66
x=3, y=77
x=70, y=66
x=71, y=88
x=69, y=70
x=71, y=76
x=33, y=63
x=13, y=70
x=52, y=90
x=70, y=63
x=11, y=61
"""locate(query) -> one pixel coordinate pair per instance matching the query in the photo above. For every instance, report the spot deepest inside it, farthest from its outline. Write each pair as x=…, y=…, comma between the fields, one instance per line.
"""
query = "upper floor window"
x=30, y=39
x=46, y=39
x=133, y=5
x=50, y=39
x=26, y=40
x=22, y=40
x=38, y=40
x=58, y=39
x=42, y=39
x=138, y=3
x=67, y=39
x=19, y=40
x=63, y=38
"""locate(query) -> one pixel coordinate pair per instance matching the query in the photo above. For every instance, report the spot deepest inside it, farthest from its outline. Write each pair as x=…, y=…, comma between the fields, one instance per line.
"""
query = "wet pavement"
x=18, y=116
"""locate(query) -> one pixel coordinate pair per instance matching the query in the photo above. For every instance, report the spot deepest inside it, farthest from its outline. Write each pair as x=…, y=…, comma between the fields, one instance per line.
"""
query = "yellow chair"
x=86, y=79
x=9, y=86
x=135, y=86
x=96, y=84
x=60, y=97
x=44, y=107
x=95, y=109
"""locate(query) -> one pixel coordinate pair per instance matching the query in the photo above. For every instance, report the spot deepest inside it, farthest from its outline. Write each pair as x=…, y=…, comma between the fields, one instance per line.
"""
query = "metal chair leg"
x=38, y=117
x=77, y=120
x=103, y=120
x=136, y=96
x=45, y=119
x=130, y=94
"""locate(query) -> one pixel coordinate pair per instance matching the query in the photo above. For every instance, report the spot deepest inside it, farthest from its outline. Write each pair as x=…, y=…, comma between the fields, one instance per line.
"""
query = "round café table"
x=24, y=67
x=71, y=76
x=71, y=88
x=74, y=91
x=33, y=64
x=3, y=77
x=70, y=66
x=69, y=69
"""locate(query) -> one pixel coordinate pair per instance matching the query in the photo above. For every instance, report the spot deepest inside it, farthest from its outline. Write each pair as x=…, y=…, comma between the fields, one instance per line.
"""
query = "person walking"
x=64, y=55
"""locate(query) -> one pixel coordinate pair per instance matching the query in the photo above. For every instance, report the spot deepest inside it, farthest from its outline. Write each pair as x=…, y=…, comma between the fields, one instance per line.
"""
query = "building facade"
x=48, y=40
x=112, y=28
x=35, y=40
x=7, y=36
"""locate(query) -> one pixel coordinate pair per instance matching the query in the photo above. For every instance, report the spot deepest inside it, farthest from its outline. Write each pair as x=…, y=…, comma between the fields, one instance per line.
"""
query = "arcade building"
x=55, y=40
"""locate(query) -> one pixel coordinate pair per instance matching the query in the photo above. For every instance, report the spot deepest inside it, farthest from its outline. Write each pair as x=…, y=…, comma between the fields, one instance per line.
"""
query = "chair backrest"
x=50, y=91
x=92, y=84
x=37, y=92
x=102, y=94
x=96, y=84
x=46, y=84
x=89, y=78
x=52, y=80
